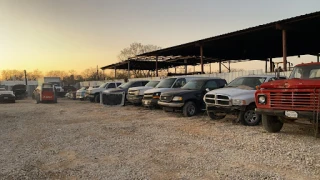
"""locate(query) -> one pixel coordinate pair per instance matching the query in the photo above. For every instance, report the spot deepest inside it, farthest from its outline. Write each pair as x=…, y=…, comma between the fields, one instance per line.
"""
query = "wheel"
x=55, y=100
x=81, y=99
x=213, y=116
x=271, y=123
x=91, y=99
x=97, y=98
x=249, y=116
x=13, y=101
x=189, y=109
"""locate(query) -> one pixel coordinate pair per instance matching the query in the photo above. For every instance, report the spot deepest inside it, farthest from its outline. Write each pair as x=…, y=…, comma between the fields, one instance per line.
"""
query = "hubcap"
x=250, y=116
x=191, y=110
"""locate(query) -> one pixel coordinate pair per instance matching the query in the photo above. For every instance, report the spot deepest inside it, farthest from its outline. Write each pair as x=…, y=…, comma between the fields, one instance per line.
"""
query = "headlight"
x=238, y=102
x=262, y=99
x=156, y=95
x=136, y=93
x=177, y=98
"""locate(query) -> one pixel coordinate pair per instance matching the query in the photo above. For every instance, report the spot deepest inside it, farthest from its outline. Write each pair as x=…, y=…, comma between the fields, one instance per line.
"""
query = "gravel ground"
x=81, y=140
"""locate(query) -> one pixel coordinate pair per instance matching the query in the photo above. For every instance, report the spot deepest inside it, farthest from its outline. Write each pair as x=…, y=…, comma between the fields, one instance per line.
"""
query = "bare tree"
x=135, y=49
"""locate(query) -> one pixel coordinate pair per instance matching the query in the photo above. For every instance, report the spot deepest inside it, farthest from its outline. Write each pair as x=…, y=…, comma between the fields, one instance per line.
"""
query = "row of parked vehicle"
x=189, y=95
x=272, y=99
x=268, y=98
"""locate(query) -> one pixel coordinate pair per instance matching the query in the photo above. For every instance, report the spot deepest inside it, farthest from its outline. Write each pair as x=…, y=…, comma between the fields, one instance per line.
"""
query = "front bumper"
x=281, y=113
x=150, y=102
x=90, y=95
x=7, y=98
x=135, y=99
x=171, y=104
x=225, y=109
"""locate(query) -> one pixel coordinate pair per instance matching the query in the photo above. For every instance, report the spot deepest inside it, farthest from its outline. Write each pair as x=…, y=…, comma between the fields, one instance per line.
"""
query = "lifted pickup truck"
x=189, y=98
x=135, y=94
x=151, y=96
x=287, y=100
x=237, y=98
x=94, y=93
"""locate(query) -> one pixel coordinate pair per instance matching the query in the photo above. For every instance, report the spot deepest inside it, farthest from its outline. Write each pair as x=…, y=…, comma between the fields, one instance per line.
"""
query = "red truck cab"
x=287, y=100
x=46, y=93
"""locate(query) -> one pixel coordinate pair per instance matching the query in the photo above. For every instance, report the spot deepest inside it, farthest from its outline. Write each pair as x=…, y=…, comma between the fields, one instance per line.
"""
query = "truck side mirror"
x=207, y=89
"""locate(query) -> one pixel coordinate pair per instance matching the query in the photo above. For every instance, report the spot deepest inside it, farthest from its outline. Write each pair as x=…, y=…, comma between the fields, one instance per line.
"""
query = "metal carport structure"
x=289, y=37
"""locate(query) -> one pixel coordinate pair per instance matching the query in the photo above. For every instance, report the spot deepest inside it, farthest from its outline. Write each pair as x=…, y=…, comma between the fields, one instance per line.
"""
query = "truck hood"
x=81, y=91
x=179, y=92
x=6, y=92
x=238, y=91
x=94, y=90
x=140, y=88
x=292, y=84
x=155, y=90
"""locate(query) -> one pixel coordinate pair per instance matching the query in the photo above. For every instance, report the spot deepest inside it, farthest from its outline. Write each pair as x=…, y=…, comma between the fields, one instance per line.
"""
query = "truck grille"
x=294, y=100
x=218, y=99
x=148, y=96
x=113, y=99
x=165, y=98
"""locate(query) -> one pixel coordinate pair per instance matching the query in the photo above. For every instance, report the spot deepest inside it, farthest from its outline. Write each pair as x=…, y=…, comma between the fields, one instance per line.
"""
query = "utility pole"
x=25, y=77
x=97, y=73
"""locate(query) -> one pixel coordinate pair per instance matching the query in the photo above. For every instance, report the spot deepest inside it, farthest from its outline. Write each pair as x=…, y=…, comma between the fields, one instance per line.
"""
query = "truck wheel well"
x=193, y=100
x=252, y=104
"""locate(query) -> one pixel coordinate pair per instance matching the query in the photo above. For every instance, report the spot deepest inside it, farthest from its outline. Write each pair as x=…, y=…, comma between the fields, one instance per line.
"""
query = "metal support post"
x=284, y=49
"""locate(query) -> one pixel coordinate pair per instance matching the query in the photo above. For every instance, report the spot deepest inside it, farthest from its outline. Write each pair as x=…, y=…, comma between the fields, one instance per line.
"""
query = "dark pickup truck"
x=189, y=98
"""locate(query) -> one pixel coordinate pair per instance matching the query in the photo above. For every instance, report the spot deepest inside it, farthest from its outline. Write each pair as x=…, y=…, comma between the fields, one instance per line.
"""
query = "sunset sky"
x=79, y=34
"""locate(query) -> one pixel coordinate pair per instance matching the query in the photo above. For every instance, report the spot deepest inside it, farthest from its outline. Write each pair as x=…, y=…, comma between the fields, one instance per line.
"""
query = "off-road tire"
x=81, y=99
x=97, y=98
x=91, y=100
x=213, y=116
x=189, y=109
x=271, y=123
x=249, y=116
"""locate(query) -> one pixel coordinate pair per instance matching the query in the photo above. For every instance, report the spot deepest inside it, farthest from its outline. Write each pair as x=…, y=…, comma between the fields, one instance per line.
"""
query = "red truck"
x=287, y=100
x=46, y=92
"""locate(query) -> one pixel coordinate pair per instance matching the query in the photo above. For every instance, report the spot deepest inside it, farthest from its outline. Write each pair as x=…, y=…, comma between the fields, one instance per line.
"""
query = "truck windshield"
x=125, y=85
x=193, y=85
x=306, y=72
x=247, y=81
x=166, y=83
x=152, y=83
x=103, y=85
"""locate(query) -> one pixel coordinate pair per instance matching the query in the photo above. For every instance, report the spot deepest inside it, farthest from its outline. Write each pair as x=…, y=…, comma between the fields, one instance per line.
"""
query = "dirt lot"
x=81, y=140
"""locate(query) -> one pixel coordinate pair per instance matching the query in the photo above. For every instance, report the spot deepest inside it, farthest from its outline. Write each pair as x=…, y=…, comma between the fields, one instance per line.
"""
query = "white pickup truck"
x=135, y=94
x=94, y=93
x=237, y=98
